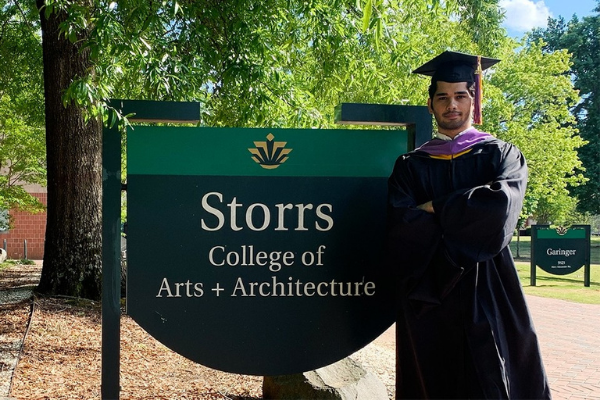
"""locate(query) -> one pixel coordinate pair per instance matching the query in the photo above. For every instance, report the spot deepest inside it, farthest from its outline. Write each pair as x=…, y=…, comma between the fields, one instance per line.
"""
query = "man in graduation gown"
x=463, y=327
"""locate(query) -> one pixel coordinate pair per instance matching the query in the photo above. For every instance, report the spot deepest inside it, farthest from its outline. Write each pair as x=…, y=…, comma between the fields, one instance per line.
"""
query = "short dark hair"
x=470, y=88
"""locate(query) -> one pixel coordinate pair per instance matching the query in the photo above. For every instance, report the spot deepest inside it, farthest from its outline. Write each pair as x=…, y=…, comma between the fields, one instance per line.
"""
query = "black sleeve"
x=478, y=223
x=413, y=234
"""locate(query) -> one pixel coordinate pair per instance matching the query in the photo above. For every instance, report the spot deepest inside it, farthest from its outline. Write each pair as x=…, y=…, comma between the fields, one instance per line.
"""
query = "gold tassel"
x=477, y=114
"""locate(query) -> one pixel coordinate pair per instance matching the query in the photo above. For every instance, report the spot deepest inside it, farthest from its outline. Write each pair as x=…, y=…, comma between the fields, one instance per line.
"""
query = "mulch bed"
x=57, y=344
x=61, y=359
x=61, y=355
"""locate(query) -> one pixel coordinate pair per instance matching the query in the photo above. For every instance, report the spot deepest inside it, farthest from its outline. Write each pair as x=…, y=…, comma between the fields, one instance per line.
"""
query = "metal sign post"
x=141, y=111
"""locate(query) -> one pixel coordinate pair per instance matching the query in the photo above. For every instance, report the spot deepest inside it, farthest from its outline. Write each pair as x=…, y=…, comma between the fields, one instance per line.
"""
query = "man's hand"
x=427, y=207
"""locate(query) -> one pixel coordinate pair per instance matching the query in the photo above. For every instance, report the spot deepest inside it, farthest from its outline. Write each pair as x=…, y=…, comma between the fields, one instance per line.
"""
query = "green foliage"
x=527, y=96
x=22, y=147
x=269, y=63
x=10, y=263
x=581, y=38
x=483, y=19
x=533, y=113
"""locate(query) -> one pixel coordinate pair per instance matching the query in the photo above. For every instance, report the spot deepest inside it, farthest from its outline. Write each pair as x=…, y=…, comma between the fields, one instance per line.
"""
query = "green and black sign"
x=260, y=251
x=560, y=251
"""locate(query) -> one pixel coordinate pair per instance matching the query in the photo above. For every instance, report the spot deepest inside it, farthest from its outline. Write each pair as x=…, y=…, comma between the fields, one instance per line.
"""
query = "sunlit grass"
x=566, y=287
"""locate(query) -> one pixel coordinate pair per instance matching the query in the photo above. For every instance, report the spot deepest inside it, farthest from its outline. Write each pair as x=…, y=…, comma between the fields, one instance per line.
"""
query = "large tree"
x=581, y=38
x=73, y=246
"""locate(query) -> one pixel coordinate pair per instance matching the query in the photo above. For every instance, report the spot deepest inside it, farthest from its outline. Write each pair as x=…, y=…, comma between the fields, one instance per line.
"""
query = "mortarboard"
x=452, y=66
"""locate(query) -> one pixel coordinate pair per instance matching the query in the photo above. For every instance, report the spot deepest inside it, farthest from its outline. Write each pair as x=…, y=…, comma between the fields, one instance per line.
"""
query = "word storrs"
x=212, y=203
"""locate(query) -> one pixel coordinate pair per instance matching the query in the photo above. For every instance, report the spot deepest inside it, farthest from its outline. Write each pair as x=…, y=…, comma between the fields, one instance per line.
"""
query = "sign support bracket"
x=141, y=111
x=416, y=119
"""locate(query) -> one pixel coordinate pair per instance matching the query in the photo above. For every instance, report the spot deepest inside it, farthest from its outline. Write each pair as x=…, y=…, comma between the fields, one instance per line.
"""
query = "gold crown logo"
x=270, y=154
x=561, y=230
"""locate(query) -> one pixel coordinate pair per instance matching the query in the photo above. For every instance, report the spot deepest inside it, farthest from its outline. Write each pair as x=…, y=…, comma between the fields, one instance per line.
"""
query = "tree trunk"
x=73, y=248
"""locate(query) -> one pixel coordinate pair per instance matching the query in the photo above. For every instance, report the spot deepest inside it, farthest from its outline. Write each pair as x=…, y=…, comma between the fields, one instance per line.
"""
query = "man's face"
x=452, y=106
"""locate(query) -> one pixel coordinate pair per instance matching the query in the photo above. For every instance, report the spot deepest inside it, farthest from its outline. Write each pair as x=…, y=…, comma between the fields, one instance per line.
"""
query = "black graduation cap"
x=452, y=66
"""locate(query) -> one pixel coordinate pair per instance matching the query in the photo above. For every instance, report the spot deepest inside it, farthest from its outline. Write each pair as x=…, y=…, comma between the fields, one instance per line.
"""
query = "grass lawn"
x=567, y=287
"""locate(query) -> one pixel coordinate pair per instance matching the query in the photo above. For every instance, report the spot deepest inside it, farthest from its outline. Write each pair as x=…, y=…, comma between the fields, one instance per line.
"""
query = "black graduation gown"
x=463, y=327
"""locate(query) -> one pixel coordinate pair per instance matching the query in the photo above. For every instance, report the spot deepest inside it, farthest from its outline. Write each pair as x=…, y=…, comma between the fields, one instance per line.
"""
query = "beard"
x=453, y=124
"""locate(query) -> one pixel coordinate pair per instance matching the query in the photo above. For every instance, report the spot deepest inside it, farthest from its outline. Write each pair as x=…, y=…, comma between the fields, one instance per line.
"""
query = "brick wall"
x=26, y=226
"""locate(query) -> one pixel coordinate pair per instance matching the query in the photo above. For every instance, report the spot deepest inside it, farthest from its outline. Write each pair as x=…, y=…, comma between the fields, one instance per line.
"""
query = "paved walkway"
x=569, y=335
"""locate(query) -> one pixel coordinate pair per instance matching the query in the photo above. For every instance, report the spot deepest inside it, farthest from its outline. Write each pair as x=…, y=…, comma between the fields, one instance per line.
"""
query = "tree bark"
x=73, y=248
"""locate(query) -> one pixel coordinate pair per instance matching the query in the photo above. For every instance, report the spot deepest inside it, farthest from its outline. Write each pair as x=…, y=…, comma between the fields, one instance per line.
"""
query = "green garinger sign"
x=561, y=251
